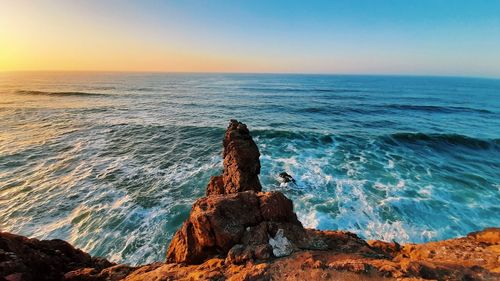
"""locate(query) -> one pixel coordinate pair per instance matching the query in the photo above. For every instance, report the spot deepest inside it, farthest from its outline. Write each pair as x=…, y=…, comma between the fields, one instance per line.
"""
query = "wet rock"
x=286, y=178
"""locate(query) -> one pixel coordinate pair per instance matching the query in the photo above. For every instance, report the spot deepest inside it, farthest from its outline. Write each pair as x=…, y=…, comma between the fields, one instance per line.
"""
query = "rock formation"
x=241, y=162
x=22, y=258
x=238, y=232
x=219, y=222
x=286, y=178
x=236, y=214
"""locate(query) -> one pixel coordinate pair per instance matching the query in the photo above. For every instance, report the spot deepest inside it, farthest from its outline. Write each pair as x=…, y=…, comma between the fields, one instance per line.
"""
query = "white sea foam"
x=356, y=209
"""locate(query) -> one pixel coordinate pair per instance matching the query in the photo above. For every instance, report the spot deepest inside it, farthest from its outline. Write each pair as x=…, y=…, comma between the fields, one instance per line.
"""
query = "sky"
x=425, y=37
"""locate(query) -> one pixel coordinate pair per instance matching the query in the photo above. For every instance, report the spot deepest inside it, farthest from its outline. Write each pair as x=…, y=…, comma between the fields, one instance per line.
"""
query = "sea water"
x=112, y=162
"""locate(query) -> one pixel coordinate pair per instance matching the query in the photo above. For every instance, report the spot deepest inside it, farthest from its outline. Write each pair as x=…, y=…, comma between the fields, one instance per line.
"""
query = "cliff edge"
x=238, y=232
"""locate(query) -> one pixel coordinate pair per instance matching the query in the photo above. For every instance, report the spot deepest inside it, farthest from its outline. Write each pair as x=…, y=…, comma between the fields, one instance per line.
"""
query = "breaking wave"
x=115, y=169
x=443, y=139
x=435, y=108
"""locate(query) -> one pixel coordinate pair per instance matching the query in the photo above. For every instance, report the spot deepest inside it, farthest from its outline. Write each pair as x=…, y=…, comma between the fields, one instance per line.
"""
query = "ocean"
x=111, y=162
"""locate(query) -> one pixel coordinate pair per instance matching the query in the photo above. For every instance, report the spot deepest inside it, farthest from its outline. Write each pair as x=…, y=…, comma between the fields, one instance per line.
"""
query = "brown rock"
x=274, y=206
x=215, y=186
x=389, y=249
x=239, y=254
x=241, y=163
x=263, y=252
x=216, y=224
x=82, y=274
x=488, y=235
x=351, y=265
x=342, y=241
x=219, y=222
x=256, y=235
x=33, y=259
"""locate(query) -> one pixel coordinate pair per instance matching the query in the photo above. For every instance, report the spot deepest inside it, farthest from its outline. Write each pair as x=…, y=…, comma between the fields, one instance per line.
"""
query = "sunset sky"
x=434, y=37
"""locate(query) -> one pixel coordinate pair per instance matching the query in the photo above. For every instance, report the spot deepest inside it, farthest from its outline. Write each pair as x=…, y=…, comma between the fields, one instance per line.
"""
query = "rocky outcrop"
x=238, y=232
x=238, y=221
x=241, y=163
x=22, y=258
x=217, y=223
x=474, y=257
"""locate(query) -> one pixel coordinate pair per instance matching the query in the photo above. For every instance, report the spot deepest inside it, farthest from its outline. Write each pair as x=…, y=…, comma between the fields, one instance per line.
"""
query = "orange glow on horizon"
x=33, y=41
x=247, y=36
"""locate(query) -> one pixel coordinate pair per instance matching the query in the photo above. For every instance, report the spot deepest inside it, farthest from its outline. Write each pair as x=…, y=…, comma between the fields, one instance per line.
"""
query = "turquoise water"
x=113, y=162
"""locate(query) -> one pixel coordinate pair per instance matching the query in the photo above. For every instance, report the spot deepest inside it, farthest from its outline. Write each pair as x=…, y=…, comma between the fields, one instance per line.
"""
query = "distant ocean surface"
x=112, y=162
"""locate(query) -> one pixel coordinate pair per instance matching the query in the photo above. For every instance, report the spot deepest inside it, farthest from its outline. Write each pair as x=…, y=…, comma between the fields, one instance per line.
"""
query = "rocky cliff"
x=238, y=232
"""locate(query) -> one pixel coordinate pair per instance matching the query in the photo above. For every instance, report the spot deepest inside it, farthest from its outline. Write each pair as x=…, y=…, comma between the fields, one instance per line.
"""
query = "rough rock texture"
x=474, y=257
x=237, y=232
x=281, y=246
x=22, y=258
x=219, y=222
x=241, y=163
x=113, y=273
x=235, y=212
x=286, y=178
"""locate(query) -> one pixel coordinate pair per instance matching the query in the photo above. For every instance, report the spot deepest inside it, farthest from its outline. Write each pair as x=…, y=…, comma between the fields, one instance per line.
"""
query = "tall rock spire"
x=241, y=163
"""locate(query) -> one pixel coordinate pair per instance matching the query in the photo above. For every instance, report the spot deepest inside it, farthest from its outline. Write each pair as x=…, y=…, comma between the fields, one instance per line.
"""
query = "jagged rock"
x=286, y=178
x=263, y=252
x=489, y=235
x=466, y=258
x=216, y=224
x=113, y=273
x=32, y=259
x=241, y=163
x=274, y=206
x=219, y=222
x=215, y=186
x=344, y=241
x=239, y=254
x=256, y=235
x=389, y=249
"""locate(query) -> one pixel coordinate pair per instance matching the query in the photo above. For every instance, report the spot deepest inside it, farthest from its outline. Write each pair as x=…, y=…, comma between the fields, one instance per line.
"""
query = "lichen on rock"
x=281, y=245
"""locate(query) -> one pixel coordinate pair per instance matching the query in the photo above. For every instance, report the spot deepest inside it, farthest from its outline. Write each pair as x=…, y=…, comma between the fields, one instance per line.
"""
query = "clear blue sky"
x=377, y=37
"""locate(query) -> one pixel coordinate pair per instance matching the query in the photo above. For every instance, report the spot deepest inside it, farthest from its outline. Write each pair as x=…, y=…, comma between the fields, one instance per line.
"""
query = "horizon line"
x=255, y=73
